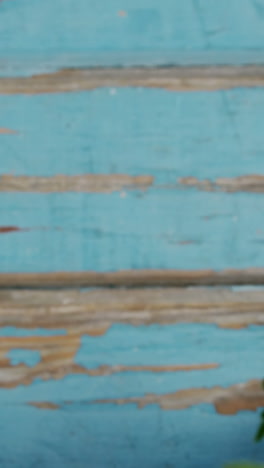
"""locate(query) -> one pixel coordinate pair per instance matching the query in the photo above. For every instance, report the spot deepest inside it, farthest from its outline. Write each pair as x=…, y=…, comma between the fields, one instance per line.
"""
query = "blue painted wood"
x=237, y=352
x=130, y=435
x=164, y=229
x=164, y=134
x=124, y=436
x=125, y=345
x=67, y=33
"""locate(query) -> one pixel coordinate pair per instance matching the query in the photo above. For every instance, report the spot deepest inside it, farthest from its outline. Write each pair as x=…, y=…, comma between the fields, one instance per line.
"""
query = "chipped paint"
x=154, y=354
x=247, y=183
x=104, y=183
x=227, y=401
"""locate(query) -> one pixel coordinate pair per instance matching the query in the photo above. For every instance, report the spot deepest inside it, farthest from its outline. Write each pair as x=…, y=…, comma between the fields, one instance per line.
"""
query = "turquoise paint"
x=172, y=344
x=165, y=134
x=71, y=33
x=94, y=232
x=239, y=354
x=24, y=356
x=24, y=332
x=117, y=437
x=28, y=63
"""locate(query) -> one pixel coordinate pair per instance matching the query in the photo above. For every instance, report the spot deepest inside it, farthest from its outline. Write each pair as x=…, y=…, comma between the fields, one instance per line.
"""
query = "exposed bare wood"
x=133, y=278
x=105, y=183
x=241, y=397
x=172, y=78
x=247, y=183
x=94, y=311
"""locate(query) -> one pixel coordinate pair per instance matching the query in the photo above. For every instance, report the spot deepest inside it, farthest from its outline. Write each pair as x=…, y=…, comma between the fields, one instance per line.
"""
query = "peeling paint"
x=246, y=183
x=242, y=397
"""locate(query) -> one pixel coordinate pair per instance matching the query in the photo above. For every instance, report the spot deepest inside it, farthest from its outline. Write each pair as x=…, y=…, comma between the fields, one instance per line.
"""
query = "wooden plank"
x=163, y=134
x=75, y=232
x=95, y=311
x=58, y=31
x=182, y=78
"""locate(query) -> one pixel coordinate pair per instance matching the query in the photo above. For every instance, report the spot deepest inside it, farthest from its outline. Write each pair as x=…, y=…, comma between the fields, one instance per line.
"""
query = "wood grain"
x=96, y=310
x=190, y=78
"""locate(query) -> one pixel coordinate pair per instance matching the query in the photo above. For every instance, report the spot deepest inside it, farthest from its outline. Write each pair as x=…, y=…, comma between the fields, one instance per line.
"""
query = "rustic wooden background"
x=131, y=232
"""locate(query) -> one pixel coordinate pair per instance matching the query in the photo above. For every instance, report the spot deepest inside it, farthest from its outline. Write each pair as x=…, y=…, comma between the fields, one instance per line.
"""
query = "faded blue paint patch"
x=165, y=134
x=24, y=356
x=149, y=437
x=95, y=232
x=24, y=332
x=28, y=63
x=238, y=352
x=171, y=28
x=173, y=344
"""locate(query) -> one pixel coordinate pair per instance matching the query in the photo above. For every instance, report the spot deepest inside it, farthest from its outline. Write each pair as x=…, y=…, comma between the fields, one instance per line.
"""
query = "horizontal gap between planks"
x=133, y=278
x=190, y=78
x=94, y=311
x=108, y=183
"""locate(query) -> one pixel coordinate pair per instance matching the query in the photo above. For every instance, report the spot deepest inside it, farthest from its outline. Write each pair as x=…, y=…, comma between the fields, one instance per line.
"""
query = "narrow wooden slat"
x=133, y=278
x=97, y=310
x=162, y=134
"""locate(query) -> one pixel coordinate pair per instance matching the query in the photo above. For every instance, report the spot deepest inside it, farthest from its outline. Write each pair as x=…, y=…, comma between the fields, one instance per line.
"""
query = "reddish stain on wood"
x=7, y=229
x=7, y=131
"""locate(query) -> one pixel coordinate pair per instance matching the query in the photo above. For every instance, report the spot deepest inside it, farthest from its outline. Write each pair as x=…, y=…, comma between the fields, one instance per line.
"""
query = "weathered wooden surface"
x=99, y=309
x=135, y=184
